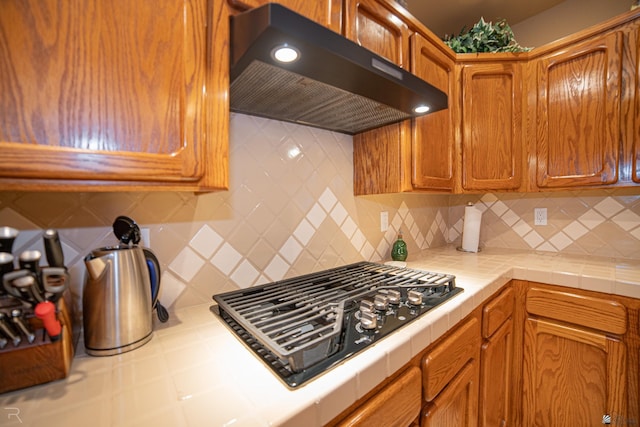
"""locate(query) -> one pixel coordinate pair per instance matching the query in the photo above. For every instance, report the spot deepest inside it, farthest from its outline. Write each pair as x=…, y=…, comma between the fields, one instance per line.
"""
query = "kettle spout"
x=95, y=266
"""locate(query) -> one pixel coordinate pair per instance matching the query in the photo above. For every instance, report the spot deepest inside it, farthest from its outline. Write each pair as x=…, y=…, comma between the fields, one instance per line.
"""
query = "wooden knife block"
x=41, y=361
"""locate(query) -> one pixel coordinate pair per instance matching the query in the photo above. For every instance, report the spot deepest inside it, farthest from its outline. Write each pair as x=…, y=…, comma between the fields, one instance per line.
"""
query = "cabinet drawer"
x=457, y=404
x=497, y=312
x=397, y=405
x=442, y=364
x=601, y=314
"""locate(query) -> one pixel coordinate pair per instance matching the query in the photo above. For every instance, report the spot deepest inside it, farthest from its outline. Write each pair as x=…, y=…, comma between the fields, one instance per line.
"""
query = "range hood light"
x=421, y=109
x=285, y=53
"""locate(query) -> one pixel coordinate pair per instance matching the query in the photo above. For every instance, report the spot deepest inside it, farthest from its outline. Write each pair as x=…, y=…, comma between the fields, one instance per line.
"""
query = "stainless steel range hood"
x=335, y=84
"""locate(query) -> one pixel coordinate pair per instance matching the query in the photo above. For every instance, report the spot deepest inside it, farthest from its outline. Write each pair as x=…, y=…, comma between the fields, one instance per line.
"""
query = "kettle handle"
x=154, y=275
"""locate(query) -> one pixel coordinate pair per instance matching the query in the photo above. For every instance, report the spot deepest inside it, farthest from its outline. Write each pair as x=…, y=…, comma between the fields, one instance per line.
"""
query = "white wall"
x=566, y=18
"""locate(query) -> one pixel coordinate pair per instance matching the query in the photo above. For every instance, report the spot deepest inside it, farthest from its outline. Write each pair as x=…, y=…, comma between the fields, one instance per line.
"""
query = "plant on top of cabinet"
x=485, y=37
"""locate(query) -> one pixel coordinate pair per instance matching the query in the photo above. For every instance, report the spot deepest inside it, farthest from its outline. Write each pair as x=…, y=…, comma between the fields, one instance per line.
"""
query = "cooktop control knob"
x=368, y=320
x=381, y=302
x=414, y=297
x=366, y=305
x=394, y=297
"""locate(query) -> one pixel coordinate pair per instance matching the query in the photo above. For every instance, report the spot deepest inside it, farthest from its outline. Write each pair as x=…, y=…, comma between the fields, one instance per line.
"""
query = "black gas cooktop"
x=303, y=326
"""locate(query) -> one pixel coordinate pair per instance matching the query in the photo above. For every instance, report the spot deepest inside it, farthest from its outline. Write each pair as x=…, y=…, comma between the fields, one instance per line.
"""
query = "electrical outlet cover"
x=540, y=216
x=384, y=221
x=146, y=237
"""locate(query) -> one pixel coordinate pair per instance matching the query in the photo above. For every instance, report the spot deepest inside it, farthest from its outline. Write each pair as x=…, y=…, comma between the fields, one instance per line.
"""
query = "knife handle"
x=53, y=248
x=8, y=331
x=46, y=311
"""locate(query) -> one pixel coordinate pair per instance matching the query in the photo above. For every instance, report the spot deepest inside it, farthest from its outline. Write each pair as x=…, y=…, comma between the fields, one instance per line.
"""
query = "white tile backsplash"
x=186, y=264
x=290, y=209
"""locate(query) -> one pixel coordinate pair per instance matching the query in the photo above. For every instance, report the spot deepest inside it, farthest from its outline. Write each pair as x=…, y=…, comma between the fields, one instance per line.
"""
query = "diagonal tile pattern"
x=290, y=209
x=611, y=222
x=232, y=263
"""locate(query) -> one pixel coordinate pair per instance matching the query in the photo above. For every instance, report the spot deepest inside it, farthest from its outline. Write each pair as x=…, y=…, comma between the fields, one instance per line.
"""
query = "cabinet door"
x=106, y=91
x=432, y=158
x=397, y=405
x=381, y=157
x=446, y=360
x=572, y=376
x=496, y=362
x=374, y=26
x=495, y=378
x=380, y=160
x=578, y=114
x=457, y=404
x=492, y=126
x=326, y=12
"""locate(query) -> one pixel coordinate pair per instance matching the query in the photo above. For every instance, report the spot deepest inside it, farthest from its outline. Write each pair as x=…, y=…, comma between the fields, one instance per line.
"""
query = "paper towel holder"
x=460, y=248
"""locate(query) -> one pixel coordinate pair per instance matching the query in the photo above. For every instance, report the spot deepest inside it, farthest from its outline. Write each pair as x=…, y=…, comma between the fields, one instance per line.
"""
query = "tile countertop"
x=194, y=372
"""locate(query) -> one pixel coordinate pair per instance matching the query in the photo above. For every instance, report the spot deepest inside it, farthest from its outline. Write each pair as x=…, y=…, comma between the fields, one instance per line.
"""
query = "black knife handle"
x=53, y=248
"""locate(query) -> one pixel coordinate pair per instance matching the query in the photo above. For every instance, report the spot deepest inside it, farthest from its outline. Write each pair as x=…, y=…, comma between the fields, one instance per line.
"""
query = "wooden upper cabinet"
x=325, y=12
x=109, y=93
x=375, y=27
x=381, y=157
x=492, y=139
x=432, y=147
x=565, y=115
x=578, y=123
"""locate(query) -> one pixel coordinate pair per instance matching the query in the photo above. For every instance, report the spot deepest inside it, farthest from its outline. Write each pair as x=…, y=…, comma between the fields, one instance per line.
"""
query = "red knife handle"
x=46, y=311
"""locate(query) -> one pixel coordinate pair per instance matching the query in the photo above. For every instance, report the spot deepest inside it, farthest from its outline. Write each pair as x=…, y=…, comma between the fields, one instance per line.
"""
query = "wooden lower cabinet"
x=450, y=378
x=496, y=362
x=396, y=405
x=575, y=360
x=573, y=376
x=531, y=355
x=457, y=404
x=495, y=381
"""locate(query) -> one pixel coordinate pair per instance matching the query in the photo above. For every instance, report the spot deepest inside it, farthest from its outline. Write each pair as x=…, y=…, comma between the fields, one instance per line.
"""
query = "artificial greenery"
x=485, y=37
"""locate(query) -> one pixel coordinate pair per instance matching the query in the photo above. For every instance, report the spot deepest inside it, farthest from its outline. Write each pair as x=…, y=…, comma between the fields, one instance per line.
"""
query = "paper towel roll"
x=471, y=229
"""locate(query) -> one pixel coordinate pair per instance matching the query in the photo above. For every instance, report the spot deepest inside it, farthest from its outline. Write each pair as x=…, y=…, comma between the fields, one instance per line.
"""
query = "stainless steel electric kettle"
x=120, y=293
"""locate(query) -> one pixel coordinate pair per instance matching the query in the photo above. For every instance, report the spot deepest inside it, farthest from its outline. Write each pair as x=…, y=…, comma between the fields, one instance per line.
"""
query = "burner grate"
x=300, y=320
